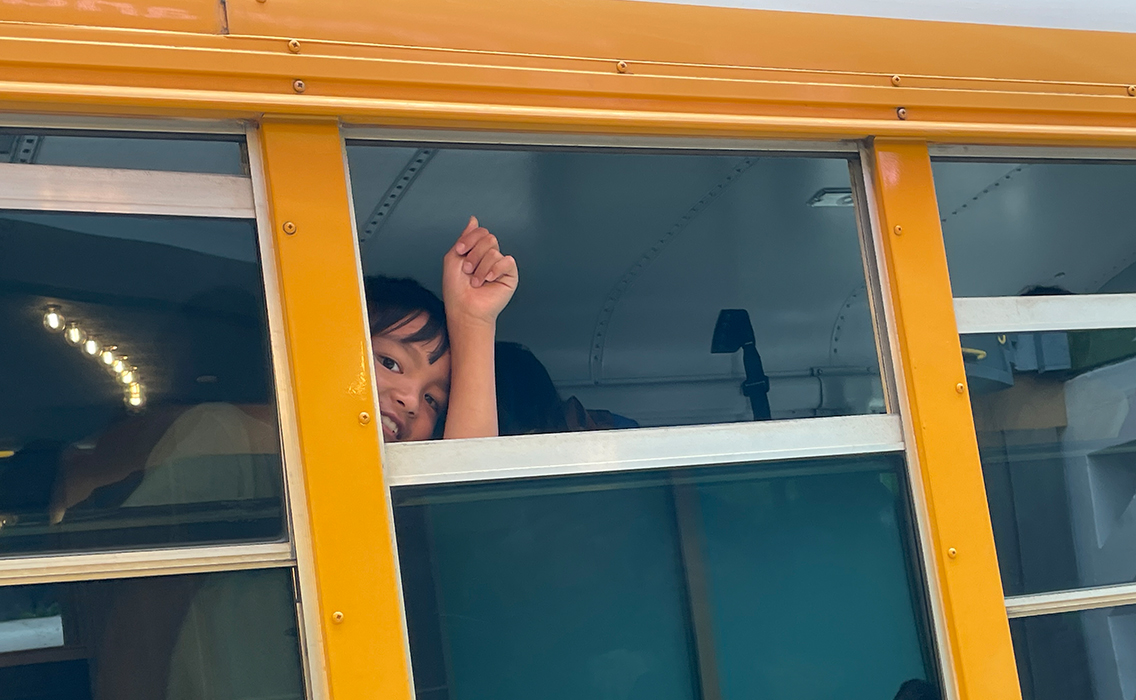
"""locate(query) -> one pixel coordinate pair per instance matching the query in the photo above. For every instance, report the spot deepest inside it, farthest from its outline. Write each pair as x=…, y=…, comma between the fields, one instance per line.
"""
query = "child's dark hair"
x=393, y=303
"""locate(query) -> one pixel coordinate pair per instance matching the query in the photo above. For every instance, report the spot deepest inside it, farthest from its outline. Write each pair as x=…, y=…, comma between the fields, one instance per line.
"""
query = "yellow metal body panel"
x=556, y=66
x=357, y=580
x=938, y=420
x=519, y=65
x=206, y=16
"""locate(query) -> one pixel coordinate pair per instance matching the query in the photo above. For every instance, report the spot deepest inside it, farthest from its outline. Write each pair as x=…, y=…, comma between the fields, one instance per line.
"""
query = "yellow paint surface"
x=939, y=419
x=331, y=376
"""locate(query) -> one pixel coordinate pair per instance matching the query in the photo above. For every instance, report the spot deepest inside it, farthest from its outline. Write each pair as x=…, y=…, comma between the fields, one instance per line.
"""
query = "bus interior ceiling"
x=626, y=259
x=1013, y=226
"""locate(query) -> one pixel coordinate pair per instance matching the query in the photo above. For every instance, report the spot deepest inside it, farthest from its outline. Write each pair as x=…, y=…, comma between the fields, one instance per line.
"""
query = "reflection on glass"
x=1086, y=655
x=138, y=409
x=777, y=581
x=228, y=636
x=1057, y=436
x=627, y=262
x=221, y=155
x=1014, y=227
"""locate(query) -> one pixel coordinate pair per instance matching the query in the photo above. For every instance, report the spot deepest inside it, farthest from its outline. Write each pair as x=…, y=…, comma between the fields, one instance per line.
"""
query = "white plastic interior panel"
x=1103, y=15
x=1014, y=228
x=445, y=461
x=626, y=258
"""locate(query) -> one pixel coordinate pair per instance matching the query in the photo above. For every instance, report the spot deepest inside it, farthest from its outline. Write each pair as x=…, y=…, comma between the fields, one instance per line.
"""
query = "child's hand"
x=477, y=280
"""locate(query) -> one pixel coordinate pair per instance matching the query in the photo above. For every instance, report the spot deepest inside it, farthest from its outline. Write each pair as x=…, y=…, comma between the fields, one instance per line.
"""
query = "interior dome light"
x=118, y=365
x=134, y=397
x=107, y=356
x=53, y=320
x=74, y=335
x=128, y=375
x=91, y=347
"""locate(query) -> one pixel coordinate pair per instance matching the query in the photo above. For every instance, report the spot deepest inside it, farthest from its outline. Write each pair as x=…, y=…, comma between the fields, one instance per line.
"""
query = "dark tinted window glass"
x=207, y=637
x=137, y=406
x=1086, y=655
x=789, y=580
x=1012, y=228
x=627, y=261
x=178, y=153
x=1057, y=437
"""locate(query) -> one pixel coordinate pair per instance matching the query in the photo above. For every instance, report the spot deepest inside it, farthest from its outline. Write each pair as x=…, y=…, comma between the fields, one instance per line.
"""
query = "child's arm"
x=477, y=283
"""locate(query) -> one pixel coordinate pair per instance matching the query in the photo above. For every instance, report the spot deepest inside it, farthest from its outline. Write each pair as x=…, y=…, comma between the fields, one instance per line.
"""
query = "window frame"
x=1017, y=314
x=509, y=457
x=197, y=195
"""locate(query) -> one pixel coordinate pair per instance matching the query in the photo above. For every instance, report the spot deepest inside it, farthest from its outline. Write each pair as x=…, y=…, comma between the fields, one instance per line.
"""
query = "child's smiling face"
x=413, y=391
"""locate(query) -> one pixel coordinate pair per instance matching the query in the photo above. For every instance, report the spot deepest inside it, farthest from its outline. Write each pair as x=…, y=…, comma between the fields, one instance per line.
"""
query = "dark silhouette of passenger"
x=917, y=689
x=528, y=402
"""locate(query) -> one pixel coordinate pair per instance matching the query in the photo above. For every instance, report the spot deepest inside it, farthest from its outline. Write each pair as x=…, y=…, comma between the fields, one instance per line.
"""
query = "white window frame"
x=162, y=193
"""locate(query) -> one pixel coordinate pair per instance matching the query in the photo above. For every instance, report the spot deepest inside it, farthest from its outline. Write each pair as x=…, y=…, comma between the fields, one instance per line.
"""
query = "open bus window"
x=218, y=636
x=656, y=289
x=1030, y=227
x=138, y=405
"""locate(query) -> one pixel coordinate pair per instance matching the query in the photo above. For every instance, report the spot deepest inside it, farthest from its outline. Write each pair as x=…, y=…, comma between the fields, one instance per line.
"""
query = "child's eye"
x=433, y=403
x=389, y=363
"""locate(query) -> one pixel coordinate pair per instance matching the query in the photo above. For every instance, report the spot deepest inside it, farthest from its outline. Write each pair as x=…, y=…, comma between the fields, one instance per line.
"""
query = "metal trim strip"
x=524, y=456
x=112, y=191
x=52, y=568
x=1070, y=601
x=1044, y=313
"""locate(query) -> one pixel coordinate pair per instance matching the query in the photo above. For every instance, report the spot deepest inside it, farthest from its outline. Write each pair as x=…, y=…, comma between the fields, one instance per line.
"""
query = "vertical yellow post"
x=354, y=559
x=938, y=417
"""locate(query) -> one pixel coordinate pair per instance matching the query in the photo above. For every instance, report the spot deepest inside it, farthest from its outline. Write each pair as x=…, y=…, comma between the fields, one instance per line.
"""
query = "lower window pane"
x=203, y=637
x=1057, y=435
x=787, y=580
x=1088, y=655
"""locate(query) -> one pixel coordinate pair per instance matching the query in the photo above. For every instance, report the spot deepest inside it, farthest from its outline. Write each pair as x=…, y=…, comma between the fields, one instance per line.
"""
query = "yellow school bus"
x=817, y=382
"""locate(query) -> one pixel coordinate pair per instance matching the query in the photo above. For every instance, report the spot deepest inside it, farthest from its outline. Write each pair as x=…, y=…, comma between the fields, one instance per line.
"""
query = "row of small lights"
x=134, y=394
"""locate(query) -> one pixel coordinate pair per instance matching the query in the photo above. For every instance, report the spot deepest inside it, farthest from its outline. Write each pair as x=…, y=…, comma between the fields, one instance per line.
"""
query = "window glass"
x=224, y=636
x=137, y=407
x=1053, y=413
x=1086, y=654
x=781, y=580
x=179, y=153
x=642, y=276
x=1014, y=228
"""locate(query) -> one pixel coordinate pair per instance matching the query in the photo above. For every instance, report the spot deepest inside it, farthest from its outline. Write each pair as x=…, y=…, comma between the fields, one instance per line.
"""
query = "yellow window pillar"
x=364, y=649
x=938, y=422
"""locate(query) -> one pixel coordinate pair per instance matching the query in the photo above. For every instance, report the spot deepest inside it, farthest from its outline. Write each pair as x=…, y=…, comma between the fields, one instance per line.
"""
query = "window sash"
x=562, y=454
x=117, y=191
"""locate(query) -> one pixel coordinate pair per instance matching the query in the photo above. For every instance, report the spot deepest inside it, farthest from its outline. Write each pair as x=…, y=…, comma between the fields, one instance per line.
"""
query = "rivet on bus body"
x=960, y=388
x=898, y=230
x=896, y=80
x=289, y=227
x=294, y=46
x=364, y=418
x=1132, y=90
x=337, y=617
x=901, y=112
x=952, y=552
x=621, y=66
x=298, y=85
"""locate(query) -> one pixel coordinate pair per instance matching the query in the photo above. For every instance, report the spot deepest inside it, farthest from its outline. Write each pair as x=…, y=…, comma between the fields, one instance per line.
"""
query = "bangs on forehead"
x=433, y=329
x=393, y=303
